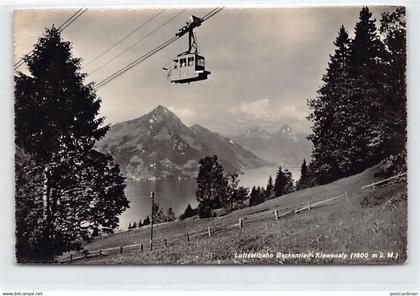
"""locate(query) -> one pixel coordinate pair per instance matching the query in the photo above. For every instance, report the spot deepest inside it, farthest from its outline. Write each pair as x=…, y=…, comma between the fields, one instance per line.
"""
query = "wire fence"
x=210, y=231
x=265, y=215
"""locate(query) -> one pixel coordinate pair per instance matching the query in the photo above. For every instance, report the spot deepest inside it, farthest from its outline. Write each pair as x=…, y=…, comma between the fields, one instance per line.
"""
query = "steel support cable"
x=149, y=54
x=211, y=13
x=61, y=28
x=137, y=42
x=64, y=26
x=135, y=62
x=70, y=18
x=125, y=37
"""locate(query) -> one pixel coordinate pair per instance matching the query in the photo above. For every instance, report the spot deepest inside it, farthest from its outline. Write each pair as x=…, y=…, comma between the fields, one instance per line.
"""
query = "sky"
x=264, y=63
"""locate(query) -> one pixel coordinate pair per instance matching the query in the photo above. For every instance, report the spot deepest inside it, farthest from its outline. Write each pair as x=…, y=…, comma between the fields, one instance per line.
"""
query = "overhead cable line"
x=150, y=53
x=70, y=18
x=61, y=28
x=125, y=37
x=211, y=13
x=137, y=42
x=64, y=26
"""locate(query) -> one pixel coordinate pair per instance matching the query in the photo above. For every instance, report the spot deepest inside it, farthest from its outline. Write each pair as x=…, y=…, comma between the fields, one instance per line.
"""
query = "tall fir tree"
x=57, y=123
x=359, y=115
x=365, y=129
x=393, y=30
x=279, y=183
x=54, y=102
x=328, y=112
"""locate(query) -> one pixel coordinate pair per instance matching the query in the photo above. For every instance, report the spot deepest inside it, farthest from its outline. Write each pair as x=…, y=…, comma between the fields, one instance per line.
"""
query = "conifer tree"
x=329, y=110
x=257, y=196
x=188, y=212
x=359, y=115
x=57, y=123
x=279, y=183
x=253, y=197
x=364, y=137
x=393, y=30
x=269, y=191
x=304, y=169
x=146, y=221
x=304, y=176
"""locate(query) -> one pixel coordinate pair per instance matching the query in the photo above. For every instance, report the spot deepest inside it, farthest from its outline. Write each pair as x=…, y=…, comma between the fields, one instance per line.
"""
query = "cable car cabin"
x=187, y=68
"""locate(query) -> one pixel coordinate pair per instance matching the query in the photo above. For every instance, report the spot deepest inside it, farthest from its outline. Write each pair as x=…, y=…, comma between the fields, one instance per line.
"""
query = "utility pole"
x=152, y=195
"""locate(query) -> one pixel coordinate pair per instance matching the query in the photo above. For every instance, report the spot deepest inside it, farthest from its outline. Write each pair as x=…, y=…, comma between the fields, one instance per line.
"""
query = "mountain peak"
x=161, y=110
x=257, y=132
x=162, y=114
x=159, y=145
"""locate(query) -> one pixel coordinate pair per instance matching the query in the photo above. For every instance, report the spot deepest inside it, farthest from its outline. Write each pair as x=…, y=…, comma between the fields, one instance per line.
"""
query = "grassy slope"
x=342, y=226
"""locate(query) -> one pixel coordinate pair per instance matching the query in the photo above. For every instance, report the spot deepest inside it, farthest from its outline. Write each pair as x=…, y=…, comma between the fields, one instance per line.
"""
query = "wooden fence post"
x=121, y=249
x=209, y=230
x=309, y=206
x=240, y=222
x=100, y=253
x=71, y=258
x=141, y=247
x=346, y=197
x=86, y=253
x=276, y=214
x=165, y=241
x=188, y=237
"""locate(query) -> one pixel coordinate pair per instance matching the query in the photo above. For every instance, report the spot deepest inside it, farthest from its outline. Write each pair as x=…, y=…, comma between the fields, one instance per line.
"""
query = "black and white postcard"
x=212, y=135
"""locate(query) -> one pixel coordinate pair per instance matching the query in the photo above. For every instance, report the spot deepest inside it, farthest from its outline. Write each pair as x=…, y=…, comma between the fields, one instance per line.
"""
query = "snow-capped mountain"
x=158, y=145
x=257, y=133
x=283, y=146
x=286, y=132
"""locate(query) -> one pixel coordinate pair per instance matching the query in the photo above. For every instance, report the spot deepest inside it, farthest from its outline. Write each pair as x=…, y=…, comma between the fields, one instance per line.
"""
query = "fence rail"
x=210, y=231
x=372, y=185
x=266, y=215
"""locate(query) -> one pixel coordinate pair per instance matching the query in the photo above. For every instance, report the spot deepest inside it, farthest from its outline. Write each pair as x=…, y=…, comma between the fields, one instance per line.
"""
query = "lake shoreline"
x=178, y=194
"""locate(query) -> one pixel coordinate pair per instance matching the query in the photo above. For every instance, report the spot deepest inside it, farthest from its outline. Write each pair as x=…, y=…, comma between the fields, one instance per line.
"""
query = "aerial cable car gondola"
x=188, y=66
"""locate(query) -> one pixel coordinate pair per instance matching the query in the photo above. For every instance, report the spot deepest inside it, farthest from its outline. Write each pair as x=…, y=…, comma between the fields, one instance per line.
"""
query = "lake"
x=178, y=194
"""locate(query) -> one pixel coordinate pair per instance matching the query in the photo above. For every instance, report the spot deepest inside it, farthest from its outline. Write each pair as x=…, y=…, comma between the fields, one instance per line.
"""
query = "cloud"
x=293, y=112
x=256, y=109
x=188, y=116
x=264, y=109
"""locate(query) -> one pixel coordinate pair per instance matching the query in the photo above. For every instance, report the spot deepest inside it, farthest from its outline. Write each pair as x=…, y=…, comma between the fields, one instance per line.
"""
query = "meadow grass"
x=369, y=221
